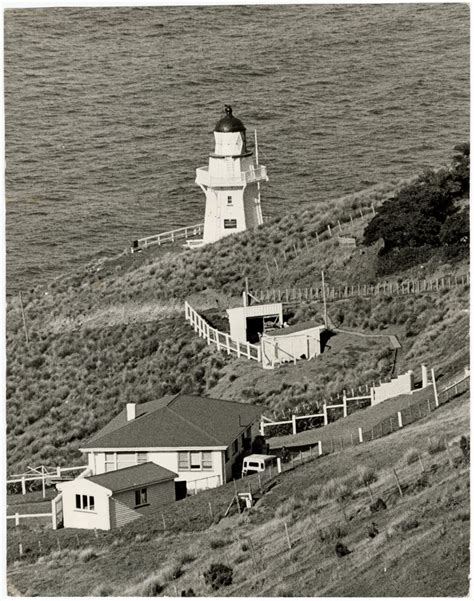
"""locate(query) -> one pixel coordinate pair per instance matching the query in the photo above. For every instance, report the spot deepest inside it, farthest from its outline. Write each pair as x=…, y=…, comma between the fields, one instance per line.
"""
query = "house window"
x=229, y=200
x=183, y=461
x=117, y=461
x=110, y=462
x=142, y=458
x=235, y=447
x=85, y=502
x=194, y=460
x=230, y=224
x=126, y=460
x=141, y=497
x=207, y=460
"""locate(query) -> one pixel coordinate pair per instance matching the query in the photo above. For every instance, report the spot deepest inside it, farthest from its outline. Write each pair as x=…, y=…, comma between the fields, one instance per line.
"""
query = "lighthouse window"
x=230, y=224
x=229, y=200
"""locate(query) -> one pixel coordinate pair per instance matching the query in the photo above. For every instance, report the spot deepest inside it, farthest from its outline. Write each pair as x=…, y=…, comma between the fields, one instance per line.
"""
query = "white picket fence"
x=223, y=341
x=18, y=516
x=167, y=237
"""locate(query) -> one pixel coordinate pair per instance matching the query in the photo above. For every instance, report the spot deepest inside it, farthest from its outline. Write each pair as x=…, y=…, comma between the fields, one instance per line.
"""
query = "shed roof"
x=299, y=327
x=184, y=420
x=133, y=477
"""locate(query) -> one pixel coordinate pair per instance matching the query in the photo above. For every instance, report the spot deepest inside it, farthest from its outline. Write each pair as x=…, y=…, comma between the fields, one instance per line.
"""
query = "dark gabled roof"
x=133, y=477
x=182, y=421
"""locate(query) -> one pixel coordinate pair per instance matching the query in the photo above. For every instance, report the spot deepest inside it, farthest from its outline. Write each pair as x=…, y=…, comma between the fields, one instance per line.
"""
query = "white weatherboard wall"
x=79, y=518
x=404, y=384
x=169, y=460
x=122, y=504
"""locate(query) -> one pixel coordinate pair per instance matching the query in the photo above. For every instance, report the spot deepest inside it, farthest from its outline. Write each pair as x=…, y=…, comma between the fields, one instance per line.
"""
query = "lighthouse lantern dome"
x=229, y=123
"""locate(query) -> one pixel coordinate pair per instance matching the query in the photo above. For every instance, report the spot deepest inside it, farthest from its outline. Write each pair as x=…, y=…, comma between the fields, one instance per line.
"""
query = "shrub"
x=365, y=475
x=407, y=525
x=410, y=456
x=464, y=445
x=217, y=543
x=436, y=446
x=151, y=587
x=218, y=575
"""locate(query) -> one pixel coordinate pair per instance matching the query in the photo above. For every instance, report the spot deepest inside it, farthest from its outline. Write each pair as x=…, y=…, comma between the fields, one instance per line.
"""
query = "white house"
x=198, y=438
x=231, y=183
x=113, y=499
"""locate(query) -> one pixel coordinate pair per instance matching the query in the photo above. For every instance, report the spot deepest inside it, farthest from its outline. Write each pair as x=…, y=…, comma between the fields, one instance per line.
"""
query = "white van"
x=257, y=463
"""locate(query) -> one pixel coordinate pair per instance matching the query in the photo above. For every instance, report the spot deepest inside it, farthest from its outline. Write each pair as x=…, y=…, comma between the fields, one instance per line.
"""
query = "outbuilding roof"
x=184, y=420
x=133, y=477
x=299, y=327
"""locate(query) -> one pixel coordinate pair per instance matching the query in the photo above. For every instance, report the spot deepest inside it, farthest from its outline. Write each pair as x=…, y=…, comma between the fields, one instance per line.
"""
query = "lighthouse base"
x=193, y=244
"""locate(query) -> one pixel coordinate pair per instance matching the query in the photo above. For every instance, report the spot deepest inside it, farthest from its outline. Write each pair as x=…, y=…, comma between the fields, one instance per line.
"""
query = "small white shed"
x=249, y=322
x=115, y=498
x=301, y=341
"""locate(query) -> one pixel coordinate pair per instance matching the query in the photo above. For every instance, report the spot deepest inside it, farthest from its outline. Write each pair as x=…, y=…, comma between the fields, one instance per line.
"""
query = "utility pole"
x=24, y=319
x=324, y=300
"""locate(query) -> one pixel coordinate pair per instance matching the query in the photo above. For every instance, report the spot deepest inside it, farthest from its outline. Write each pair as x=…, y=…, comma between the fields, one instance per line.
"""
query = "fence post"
x=400, y=421
x=361, y=436
x=435, y=390
x=398, y=482
x=23, y=485
x=325, y=413
x=293, y=423
x=17, y=519
x=279, y=465
x=344, y=401
x=320, y=448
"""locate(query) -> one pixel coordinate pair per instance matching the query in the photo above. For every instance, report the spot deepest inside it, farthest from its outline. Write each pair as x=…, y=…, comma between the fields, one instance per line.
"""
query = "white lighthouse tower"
x=231, y=183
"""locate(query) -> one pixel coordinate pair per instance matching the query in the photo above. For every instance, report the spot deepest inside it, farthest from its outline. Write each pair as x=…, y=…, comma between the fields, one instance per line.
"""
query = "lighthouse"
x=231, y=182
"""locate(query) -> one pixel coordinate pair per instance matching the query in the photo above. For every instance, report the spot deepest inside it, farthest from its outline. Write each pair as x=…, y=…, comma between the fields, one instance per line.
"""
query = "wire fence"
x=334, y=293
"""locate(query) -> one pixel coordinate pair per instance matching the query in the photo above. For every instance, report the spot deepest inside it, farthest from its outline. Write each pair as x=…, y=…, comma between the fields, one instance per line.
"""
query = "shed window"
x=229, y=200
x=230, y=224
x=85, y=502
x=141, y=497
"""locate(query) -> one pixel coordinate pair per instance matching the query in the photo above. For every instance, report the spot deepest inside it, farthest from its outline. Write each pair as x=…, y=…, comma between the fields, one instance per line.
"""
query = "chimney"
x=131, y=408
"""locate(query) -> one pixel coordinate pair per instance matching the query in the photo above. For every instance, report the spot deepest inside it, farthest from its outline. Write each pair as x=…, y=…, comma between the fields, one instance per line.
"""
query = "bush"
x=436, y=446
x=464, y=445
x=218, y=543
x=365, y=475
x=410, y=456
x=218, y=575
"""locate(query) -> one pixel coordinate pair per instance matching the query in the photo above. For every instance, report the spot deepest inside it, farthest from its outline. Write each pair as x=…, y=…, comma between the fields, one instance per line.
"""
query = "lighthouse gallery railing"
x=246, y=177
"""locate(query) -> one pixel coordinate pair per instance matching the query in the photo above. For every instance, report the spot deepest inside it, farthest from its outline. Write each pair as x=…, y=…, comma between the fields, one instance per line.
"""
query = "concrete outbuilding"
x=289, y=344
x=248, y=323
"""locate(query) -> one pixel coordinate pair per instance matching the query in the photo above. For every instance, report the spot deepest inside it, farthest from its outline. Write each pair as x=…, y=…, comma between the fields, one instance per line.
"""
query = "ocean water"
x=110, y=110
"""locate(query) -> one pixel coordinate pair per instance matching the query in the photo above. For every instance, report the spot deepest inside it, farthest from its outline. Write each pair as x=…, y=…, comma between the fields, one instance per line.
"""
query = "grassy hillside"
x=417, y=546
x=114, y=332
